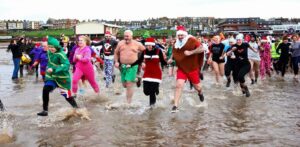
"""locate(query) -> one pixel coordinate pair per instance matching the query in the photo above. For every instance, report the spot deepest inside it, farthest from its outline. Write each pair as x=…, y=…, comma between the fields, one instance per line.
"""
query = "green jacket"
x=60, y=64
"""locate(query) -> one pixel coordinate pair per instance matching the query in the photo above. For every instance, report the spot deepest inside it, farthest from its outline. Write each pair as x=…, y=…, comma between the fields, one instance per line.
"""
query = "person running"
x=216, y=58
x=42, y=59
x=22, y=47
x=295, y=49
x=242, y=66
x=254, y=59
x=275, y=56
x=16, y=55
x=186, y=53
x=231, y=62
x=151, y=59
x=126, y=57
x=35, y=53
x=57, y=75
x=108, y=47
x=283, y=49
x=265, y=56
x=83, y=64
x=172, y=65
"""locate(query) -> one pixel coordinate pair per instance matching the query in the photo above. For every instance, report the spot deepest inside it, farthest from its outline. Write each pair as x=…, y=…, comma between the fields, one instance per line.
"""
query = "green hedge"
x=42, y=33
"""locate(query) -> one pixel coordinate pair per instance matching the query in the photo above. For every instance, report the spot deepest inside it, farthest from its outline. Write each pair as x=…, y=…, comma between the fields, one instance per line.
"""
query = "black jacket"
x=16, y=51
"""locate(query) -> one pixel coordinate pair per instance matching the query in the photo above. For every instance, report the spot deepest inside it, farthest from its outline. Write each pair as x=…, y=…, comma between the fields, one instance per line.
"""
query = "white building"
x=287, y=28
x=15, y=25
x=3, y=26
x=95, y=29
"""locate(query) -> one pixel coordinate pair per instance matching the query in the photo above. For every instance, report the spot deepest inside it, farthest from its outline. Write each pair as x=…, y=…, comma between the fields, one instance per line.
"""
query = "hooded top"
x=59, y=62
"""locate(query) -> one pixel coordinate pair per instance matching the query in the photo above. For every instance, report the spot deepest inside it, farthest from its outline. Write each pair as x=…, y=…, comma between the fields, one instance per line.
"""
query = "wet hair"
x=86, y=39
x=12, y=41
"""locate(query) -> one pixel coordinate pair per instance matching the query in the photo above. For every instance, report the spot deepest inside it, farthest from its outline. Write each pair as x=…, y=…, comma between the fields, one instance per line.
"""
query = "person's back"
x=16, y=53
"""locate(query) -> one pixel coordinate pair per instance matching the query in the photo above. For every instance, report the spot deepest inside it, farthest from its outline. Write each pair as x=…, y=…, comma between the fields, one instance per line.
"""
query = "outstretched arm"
x=198, y=50
x=117, y=55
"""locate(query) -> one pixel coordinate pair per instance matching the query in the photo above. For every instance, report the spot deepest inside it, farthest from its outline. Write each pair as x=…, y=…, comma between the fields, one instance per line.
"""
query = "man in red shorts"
x=188, y=55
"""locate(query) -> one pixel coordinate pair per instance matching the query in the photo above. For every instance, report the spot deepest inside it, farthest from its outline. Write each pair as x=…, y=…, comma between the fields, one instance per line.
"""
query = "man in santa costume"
x=108, y=47
x=188, y=55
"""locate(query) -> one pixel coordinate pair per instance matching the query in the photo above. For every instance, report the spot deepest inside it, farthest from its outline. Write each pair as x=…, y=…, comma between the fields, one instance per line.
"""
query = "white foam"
x=202, y=104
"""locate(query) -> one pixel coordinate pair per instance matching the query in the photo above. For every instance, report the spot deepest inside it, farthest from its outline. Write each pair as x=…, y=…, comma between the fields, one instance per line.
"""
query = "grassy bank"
x=41, y=33
x=70, y=32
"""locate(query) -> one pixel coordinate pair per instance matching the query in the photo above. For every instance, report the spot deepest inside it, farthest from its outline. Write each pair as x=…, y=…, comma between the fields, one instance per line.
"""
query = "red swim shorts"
x=192, y=76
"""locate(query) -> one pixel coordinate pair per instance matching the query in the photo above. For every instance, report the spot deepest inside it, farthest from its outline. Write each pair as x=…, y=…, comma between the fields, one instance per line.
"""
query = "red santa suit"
x=152, y=72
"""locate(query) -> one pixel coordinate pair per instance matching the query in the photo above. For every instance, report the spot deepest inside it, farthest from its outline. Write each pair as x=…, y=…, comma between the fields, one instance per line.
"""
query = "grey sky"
x=138, y=10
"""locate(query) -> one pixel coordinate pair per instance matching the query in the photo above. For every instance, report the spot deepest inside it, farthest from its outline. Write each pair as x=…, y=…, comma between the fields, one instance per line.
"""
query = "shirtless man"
x=126, y=58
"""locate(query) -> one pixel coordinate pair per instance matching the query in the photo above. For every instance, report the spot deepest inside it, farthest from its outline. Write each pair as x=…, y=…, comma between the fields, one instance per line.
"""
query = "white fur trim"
x=150, y=43
x=180, y=32
x=147, y=57
x=179, y=45
x=152, y=80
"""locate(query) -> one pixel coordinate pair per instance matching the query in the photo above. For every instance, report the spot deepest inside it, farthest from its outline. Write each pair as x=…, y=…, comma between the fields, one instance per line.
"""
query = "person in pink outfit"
x=265, y=55
x=84, y=67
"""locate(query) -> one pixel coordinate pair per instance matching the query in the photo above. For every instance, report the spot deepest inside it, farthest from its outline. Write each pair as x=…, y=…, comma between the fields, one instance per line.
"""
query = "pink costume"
x=265, y=63
x=84, y=67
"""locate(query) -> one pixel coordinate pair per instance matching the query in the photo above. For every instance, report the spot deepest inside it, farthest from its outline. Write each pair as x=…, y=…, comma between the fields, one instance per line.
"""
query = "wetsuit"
x=242, y=66
x=217, y=51
x=230, y=65
x=283, y=49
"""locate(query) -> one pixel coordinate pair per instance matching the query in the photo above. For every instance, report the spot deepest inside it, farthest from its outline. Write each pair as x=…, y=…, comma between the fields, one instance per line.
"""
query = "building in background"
x=3, y=25
x=95, y=29
x=246, y=25
x=32, y=25
x=15, y=25
x=286, y=29
x=63, y=23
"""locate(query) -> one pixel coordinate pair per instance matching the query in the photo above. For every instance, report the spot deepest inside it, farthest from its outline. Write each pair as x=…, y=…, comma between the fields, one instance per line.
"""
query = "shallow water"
x=270, y=117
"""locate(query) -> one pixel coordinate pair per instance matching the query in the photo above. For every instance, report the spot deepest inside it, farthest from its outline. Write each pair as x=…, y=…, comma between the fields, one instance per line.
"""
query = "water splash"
x=6, y=128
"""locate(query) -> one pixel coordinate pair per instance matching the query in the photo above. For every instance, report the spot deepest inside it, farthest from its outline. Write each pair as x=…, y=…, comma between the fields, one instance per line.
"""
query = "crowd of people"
x=186, y=57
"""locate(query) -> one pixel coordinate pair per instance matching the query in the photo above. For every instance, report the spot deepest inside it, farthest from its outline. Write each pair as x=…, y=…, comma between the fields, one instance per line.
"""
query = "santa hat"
x=264, y=39
x=37, y=44
x=107, y=33
x=181, y=30
x=150, y=41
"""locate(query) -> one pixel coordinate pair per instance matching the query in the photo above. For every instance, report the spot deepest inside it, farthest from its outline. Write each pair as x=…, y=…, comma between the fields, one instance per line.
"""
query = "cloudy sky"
x=138, y=9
